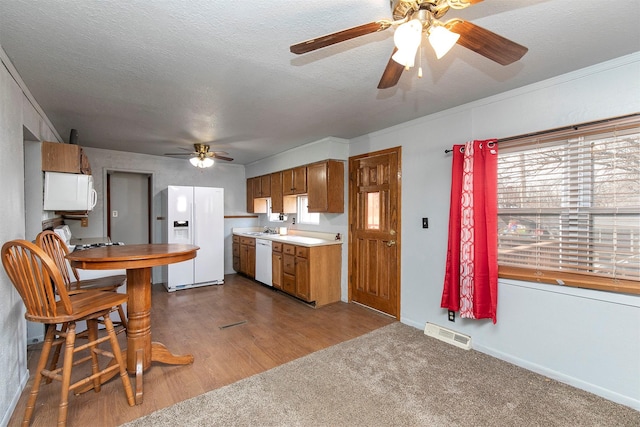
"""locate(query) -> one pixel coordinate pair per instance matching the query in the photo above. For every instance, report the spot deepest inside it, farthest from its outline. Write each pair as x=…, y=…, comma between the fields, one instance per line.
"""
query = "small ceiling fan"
x=415, y=18
x=202, y=157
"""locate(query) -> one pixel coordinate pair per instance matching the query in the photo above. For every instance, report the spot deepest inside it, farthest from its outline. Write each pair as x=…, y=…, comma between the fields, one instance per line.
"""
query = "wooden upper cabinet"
x=250, y=195
x=85, y=167
x=277, y=201
x=256, y=187
x=255, y=202
x=261, y=186
x=67, y=158
x=265, y=186
x=323, y=182
x=294, y=181
x=325, y=186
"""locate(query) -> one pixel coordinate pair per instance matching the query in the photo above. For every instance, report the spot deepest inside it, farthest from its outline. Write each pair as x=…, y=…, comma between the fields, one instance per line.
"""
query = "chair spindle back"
x=36, y=277
x=55, y=247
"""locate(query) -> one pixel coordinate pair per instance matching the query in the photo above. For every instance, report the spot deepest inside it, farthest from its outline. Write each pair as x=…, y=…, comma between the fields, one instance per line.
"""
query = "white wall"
x=589, y=339
x=17, y=112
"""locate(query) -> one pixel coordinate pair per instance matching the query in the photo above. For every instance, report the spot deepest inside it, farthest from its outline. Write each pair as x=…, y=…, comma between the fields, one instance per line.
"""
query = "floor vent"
x=448, y=336
x=231, y=325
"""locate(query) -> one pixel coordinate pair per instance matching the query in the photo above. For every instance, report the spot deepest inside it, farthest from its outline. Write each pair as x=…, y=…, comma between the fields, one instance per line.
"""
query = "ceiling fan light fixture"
x=407, y=39
x=442, y=40
x=201, y=162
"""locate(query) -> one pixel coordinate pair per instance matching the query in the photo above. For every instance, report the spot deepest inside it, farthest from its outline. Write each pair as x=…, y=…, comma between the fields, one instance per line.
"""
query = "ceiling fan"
x=202, y=157
x=415, y=18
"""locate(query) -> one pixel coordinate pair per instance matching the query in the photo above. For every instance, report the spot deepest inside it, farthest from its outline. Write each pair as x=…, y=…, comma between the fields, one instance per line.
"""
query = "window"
x=373, y=211
x=275, y=217
x=304, y=216
x=569, y=207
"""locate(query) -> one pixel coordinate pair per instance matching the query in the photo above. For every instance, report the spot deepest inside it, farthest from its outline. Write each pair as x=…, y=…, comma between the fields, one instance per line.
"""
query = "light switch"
x=425, y=222
x=114, y=214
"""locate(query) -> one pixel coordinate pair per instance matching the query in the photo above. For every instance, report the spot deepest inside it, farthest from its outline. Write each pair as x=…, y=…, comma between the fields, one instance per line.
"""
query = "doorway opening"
x=128, y=207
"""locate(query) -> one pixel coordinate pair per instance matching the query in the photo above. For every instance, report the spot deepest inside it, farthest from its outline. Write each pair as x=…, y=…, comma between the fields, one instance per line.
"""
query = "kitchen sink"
x=261, y=233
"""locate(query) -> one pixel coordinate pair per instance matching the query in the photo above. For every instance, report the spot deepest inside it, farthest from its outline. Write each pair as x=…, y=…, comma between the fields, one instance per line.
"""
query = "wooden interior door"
x=374, y=230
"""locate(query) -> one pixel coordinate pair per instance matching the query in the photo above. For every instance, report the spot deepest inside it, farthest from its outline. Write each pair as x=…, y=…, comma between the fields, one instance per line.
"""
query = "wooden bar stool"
x=37, y=278
x=55, y=247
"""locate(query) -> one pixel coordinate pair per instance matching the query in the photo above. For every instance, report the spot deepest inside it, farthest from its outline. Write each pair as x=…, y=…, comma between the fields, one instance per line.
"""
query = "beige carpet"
x=395, y=376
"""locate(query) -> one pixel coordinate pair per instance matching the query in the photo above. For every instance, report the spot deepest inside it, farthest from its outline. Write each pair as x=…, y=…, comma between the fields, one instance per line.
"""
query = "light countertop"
x=294, y=237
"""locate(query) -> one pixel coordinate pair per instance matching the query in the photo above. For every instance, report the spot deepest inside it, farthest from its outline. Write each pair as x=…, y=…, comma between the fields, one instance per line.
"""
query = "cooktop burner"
x=96, y=245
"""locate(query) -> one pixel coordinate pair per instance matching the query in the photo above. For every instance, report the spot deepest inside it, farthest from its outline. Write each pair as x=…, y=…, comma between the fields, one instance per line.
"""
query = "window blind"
x=569, y=207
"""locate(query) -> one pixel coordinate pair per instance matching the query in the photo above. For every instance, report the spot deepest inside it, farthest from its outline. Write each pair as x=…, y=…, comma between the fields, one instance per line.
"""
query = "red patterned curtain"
x=471, y=278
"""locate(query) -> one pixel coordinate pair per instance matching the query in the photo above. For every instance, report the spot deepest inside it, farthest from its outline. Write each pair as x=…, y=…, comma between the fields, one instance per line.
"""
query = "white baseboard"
x=563, y=378
x=558, y=376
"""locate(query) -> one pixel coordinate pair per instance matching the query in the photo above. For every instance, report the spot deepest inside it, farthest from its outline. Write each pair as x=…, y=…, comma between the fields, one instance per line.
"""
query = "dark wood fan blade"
x=391, y=74
x=340, y=36
x=486, y=43
x=228, y=159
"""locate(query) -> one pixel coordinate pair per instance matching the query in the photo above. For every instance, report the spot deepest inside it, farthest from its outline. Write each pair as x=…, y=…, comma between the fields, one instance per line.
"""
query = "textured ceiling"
x=155, y=76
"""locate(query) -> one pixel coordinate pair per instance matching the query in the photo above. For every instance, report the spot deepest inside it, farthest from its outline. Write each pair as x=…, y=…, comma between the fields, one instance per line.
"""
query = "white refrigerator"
x=195, y=215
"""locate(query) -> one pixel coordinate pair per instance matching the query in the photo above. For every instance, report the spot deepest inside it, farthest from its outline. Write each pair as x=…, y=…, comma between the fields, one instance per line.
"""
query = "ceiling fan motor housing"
x=430, y=9
x=201, y=148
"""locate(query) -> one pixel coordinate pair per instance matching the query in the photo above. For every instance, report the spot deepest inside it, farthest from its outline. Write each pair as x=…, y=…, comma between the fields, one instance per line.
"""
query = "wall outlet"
x=452, y=316
x=84, y=222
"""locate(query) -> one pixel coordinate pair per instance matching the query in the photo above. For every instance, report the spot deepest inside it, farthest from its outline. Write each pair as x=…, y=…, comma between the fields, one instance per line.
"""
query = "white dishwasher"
x=263, y=261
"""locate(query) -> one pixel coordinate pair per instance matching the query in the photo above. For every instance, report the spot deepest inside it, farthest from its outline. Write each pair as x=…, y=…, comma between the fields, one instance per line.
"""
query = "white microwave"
x=68, y=192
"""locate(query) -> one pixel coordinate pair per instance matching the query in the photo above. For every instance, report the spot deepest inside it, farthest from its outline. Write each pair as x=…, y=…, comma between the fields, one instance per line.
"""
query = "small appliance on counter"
x=64, y=232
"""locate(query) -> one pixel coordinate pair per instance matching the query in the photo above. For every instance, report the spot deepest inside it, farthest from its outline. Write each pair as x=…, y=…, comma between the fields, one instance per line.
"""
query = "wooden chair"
x=55, y=247
x=39, y=282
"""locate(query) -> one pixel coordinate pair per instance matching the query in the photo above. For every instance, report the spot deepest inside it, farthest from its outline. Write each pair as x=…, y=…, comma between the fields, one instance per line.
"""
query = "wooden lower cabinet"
x=309, y=273
x=276, y=265
x=236, y=253
x=247, y=257
x=289, y=269
x=303, y=287
x=312, y=273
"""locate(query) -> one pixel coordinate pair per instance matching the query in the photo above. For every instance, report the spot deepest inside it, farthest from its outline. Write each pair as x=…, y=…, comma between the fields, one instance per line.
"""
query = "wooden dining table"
x=138, y=261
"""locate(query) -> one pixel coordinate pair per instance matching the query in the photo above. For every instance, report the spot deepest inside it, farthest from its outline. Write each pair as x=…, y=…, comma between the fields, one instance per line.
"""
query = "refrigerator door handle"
x=193, y=225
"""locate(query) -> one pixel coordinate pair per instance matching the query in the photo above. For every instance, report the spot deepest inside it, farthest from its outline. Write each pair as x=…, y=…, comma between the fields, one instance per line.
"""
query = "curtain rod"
x=560, y=129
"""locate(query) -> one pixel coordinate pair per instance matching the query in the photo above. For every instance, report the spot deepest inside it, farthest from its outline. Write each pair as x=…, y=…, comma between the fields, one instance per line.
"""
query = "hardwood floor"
x=270, y=329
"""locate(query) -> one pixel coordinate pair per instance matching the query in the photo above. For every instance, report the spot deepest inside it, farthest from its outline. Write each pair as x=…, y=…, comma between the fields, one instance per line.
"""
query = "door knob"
x=391, y=243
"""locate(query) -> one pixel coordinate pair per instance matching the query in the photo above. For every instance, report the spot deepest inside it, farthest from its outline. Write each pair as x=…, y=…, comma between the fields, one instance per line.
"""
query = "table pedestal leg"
x=140, y=350
x=139, y=371
x=159, y=353
x=138, y=319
